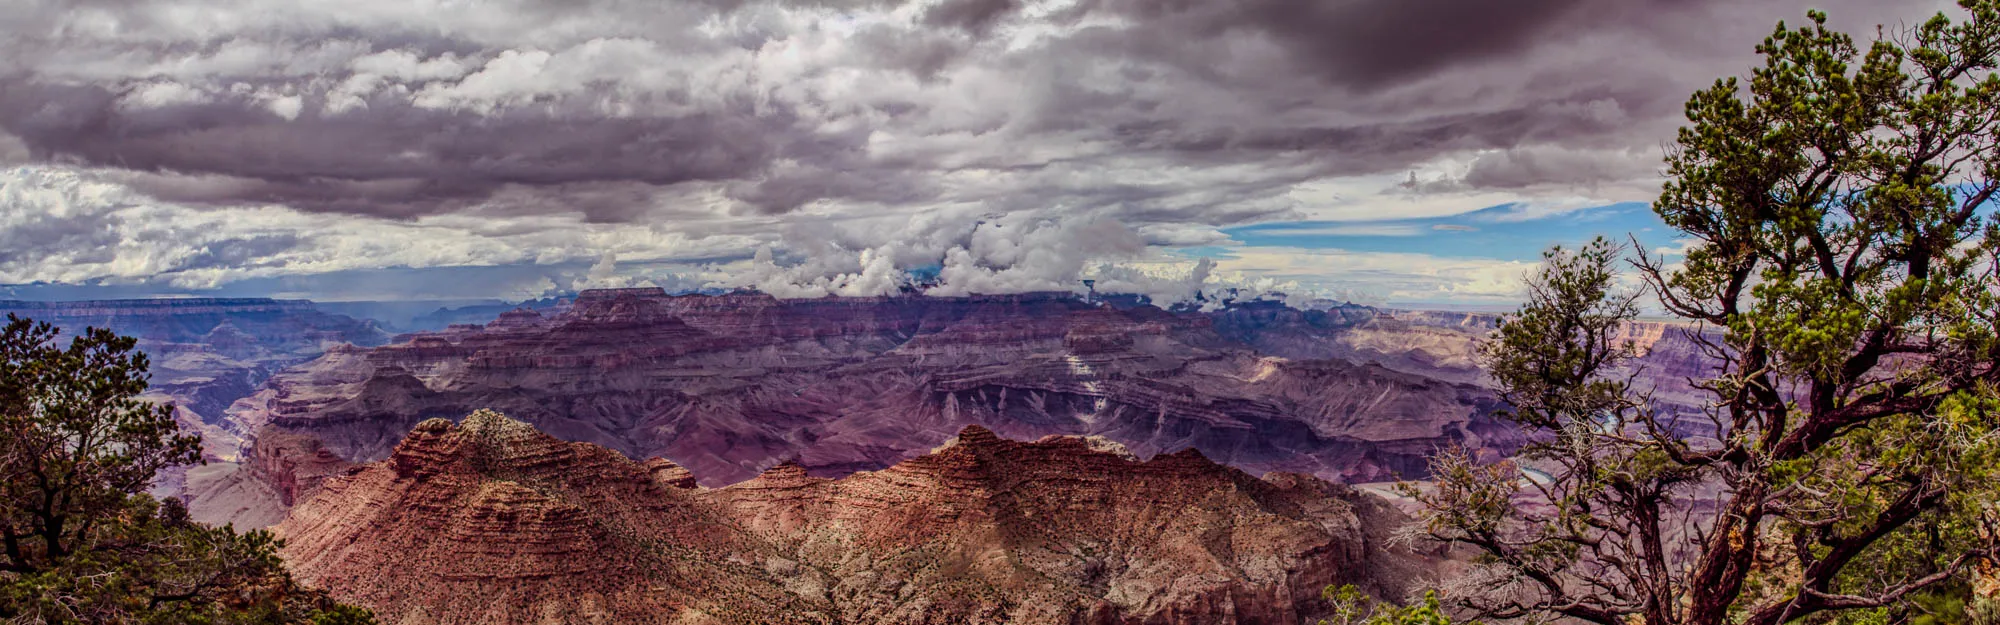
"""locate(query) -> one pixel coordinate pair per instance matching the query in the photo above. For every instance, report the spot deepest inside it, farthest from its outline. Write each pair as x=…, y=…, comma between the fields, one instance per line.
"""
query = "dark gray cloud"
x=1371, y=42
x=394, y=159
x=702, y=127
x=921, y=53
x=597, y=109
x=13, y=150
x=976, y=16
x=1516, y=169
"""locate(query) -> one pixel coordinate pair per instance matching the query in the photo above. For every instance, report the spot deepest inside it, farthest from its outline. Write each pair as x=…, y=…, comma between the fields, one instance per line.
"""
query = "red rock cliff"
x=729, y=385
x=490, y=521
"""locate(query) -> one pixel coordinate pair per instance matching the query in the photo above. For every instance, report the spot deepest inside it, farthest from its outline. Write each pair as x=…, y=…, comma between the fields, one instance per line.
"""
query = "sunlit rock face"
x=1445, y=345
x=1668, y=355
x=728, y=386
x=490, y=521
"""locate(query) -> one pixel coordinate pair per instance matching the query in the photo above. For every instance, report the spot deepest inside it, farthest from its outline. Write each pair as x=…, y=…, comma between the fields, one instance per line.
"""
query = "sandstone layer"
x=728, y=386
x=490, y=521
x=1668, y=355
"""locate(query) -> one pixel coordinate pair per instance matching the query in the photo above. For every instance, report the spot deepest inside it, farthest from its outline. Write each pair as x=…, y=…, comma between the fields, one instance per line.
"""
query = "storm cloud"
x=741, y=118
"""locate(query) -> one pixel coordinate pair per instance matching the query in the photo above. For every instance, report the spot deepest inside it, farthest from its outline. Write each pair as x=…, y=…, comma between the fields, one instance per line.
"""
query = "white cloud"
x=287, y=107
x=1680, y=247
x=406, y=66
x=64, y=226
x=1348, y=230
x=1385, y=276
x=58, y=225
x=852, y=142
x=163, y=94
x=1181, y=235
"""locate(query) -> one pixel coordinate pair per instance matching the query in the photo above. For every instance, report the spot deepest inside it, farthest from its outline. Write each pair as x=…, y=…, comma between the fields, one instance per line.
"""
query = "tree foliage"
x=1353, y=607
x=83, y=543
x=1842, y=276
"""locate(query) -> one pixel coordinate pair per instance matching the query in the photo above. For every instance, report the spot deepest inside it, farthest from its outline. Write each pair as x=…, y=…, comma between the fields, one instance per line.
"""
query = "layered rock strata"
x=490, y=521
x=728, y=386
x=206, y=353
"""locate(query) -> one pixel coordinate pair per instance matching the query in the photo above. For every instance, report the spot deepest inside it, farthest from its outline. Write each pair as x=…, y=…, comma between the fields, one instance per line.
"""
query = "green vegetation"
x=83, y=543
x=1844, y=250
x=1353, y=607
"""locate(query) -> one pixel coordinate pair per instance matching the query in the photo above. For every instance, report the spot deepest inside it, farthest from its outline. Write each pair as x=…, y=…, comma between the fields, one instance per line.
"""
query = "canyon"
x=206, y=353
x=731, y=385
x=490, y=521
x=739, y=458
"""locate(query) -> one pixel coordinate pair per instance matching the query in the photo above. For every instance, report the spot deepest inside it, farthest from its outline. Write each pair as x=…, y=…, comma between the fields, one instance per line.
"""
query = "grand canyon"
x=994, y=312
x=639, y=456
x=491, y=521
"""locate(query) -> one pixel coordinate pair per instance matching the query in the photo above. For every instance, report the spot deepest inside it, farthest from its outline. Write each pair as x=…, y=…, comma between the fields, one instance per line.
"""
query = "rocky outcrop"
x=490, y=521
x=1670, y=354
x=1432, y=345
x=231, y=324
x=206, y=353
x=728, y=386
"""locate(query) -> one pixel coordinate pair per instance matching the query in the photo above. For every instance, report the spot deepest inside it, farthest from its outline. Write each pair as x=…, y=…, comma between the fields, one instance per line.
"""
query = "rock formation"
x=1669, y=354
x=207, y=353
x=728, y=386
x=490, y=521
x=1444, y=345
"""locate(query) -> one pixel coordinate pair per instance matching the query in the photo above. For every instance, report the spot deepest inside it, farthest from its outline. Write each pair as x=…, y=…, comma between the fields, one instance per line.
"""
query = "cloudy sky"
x=1390, y=151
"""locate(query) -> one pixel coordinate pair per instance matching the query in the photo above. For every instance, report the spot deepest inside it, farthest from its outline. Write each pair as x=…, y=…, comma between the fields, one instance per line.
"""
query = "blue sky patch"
x=1504, y=232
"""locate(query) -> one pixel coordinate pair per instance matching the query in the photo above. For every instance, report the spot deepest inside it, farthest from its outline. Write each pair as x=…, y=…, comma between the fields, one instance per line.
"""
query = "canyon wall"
x=490, y=521
x=206, y=353
x=731, y=385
